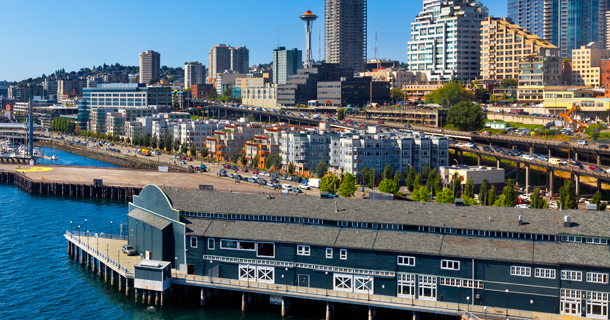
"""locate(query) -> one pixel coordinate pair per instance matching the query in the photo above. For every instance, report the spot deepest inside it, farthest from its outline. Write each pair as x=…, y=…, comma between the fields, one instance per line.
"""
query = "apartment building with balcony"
x=305, y=149
x=231, y=139
x=115, y=124
x=195, y=132
x=540, y=71
x=587, y=63
x=261, y=147
x=504, y=44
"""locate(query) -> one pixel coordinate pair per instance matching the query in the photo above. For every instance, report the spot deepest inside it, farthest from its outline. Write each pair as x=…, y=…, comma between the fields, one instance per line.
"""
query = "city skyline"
x=33, y=50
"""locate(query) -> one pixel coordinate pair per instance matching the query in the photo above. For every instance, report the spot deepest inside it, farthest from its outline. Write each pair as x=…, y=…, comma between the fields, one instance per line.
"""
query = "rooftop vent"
x=459, y=202
x=520, y=220
x=566, y=222
x=336, y=207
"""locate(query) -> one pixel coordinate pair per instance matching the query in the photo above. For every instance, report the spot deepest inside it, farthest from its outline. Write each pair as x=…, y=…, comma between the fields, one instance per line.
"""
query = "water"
x=39, y=281
x=71, y=159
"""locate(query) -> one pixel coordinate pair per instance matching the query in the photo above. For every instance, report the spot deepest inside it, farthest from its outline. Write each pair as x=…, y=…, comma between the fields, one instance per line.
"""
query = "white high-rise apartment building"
x=222, y=57
x=150, y=66
x=345, y=33
x=445, y=39
x=194, y=74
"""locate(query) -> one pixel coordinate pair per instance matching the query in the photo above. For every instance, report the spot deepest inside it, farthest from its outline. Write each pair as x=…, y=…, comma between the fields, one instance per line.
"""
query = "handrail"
x=85, y=245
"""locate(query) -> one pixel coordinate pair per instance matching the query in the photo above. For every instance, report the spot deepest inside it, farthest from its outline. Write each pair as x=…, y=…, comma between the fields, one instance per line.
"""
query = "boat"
x=54, y=157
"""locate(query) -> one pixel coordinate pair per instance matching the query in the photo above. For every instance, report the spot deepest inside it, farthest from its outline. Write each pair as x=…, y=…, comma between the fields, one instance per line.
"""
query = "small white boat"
x=54, y=157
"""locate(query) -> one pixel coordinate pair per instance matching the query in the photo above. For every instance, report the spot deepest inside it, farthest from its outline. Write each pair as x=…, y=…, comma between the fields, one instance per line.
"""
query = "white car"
x=255, y=176
x=304, y=186
x=582, y=142
x=286, y=186
x=527, y=196
x=522, y=206
x=553, y=205
x=528, y=157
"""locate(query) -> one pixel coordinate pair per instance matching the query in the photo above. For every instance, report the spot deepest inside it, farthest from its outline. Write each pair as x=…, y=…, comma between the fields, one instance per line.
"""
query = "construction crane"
x=571, y=121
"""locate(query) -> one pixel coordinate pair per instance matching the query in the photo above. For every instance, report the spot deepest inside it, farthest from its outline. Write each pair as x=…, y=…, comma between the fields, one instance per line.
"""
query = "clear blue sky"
x=42, y=36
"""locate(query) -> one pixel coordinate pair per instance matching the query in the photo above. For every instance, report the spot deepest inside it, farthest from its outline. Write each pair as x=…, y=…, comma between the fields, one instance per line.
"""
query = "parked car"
x=522, y=206
x=255, y=176
x=304, y=186
x=582, y=142
x=604, y=146
x=543, y=158
x=244, y=170
x=380, y=122
x=296, y=190
x=599, y=170
x=487, y=133
x=593, y=168
x=129, y=250
x=528, y=157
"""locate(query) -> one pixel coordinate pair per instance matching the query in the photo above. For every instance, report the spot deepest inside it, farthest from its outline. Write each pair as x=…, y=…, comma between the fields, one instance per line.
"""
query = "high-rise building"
x=445, y=39
x=285, y=63
x=150, y=66
x=586, y=64
x=194, y=73
x=568, y=24
x=504, y=44
x=345, y=33
x=222, y=57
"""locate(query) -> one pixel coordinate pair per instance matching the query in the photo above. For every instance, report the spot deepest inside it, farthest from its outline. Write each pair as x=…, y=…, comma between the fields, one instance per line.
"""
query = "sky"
x=41, y=36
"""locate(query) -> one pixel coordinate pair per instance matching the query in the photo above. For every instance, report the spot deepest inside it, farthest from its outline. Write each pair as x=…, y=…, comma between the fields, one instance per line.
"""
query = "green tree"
x=340, y=114
x=567, y=195
x=212, y=95
x=388, y=173
x=510, y=193
x=456, y=185
x=396, y=95
x=168, y=143
x=347, y=188
x=204, y=152
x=469, y=188
x=466, y=116
x=228, y=93
x=388, y=186
x=321, y=169
x=371, y=178
x=410, y=178
x=597, y=199
x=291, y=168
x=445, y=196
x=594, y=130
x=449, y=95
x=193, y=151
x=492, y=195
x=329, y=183
x=154, y=142
x=421, y=194
x=365, y=176
x=255, y=161
x=482, y=95
x=483, y=192
x=501, y=202
x=508, y=83
x=537, y=202
x=397, y=178
x=277, y=162
x=183, y=148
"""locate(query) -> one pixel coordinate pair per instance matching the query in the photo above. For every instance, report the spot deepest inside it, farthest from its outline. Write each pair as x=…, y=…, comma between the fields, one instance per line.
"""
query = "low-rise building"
x=494, y=176
x=586, y=63
x=264, y=97
x=305, y=149
x=194, y=132
x=115, y=124
x=231, y=139
x=261, y=147
x=397, y=77
x=540, y=71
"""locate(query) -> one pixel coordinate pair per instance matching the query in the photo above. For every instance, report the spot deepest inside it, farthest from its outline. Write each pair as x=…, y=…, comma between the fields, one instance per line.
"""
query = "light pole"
x=458, y=286
x=326, y=283
x=118, y=254
x=110, y=229
x=485, y=310
x=107, y=249
x=286, y=279
x=70, y=227
x=468, y=303
x=86, y=225
x=78, y=233
x=507, y=302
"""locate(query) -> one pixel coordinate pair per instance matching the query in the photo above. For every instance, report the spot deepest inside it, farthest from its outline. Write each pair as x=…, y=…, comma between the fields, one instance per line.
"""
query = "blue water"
x=70, y=159
x=39, y=281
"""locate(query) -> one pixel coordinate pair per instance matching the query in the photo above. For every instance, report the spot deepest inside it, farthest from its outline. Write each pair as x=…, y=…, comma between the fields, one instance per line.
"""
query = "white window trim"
x=303, y=250
x=346, y=277
x=343, y=254
x=410, y=261
x=211, y=241
x=196, y=242
x=408, y=281
x=545, y=273
x=519, y=271
x=329, y=253
x=225, y=248
x=597, y=275
x=453, y=263
x=573, y=275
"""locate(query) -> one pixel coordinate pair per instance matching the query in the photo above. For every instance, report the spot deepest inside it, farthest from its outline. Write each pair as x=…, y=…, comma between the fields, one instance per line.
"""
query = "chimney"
x=336, y=207
x=520, y=220
x=566, y=222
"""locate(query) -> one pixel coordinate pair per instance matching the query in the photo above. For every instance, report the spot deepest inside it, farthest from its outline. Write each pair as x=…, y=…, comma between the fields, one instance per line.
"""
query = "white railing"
x=84, y=245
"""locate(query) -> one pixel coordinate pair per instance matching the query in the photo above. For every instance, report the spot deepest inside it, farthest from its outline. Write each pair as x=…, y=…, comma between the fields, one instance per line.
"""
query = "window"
x=211, y=244
x=363, y=284
x=343, y=254
x=571, y=239
x=520, y=271
x=247, y=245
x=329, y=253
x=597, y=277
x=265, y=249
x=450, y=265
x=342, y=282
x=597, y=241
x=193, y=242
x=571, y=275
x=228, y=244
x=597, y=305
x=406, y=261
x=406, y=285
x=544, y=273
x=303, y=250
x=427, y=288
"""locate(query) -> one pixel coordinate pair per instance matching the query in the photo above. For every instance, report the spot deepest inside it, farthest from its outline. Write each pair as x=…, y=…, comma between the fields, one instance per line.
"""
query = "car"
x=380, y=122
x=255, y=176
x=232, y=176
x=183, y=162
x=543, y=158
x=252, y=180
x=407, y=125
x=487, y=133
x=604, y=146
x=522, y=206
x=473, y=133
x=486, y=148
x=274, y=180
x=526, y=196
x=305, y=186
x=527, y=157
x=271, y=184
x=223, y=174
x=564, y=143
x=593, y=168
x=582, y=142
x=286, y=186
x=296, y=190
x=553, y=205
x=289, y=178
x=129, y=250
x=244, y=170
x=599, y=170
x=255, y=172
x=239, y=177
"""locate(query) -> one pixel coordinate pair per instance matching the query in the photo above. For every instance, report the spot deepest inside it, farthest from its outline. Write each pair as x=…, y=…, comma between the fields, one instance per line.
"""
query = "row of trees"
x=344, y=186
x=63, y=125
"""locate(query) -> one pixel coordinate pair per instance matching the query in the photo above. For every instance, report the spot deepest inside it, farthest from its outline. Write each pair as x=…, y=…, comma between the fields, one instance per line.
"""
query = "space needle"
x=308, y=18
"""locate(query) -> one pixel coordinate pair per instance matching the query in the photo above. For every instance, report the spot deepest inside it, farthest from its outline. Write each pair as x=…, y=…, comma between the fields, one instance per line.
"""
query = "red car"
x=593, y=167
x=380, y=122
x=189, y=159
x=348, y=120
x=255, y=172
x=183, y=158
x=487, y=133
x=226, y=166
x=244, y=170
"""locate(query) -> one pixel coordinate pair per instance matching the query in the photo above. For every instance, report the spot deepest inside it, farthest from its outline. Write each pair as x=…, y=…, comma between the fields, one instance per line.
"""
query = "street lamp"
x=118, y=254
x=107, y=249
x=70, y=227
x=326, y=283
x=468, y=303
x=507, y=302
x=286, y=279
x=110, y=229
x=86, y=224
x=485, y=309
x=78, y=233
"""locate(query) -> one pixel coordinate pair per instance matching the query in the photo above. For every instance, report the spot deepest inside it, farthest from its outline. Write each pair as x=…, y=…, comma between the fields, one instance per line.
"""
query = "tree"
x=510, y=193
x=291, y=168
x=396, y=95
x=372, y=178
x=348, y=186
x=482, y=95
x=536, y=201
x=388, y=186
x=456, y=185
x=228, y=93
x=597, y=199
x=193, y=151
x=445, y=196
x=567, y=195
x=421, y=194
x=449, y=95
x=397, y=178
x=466, y=116
x=168, y=143
x=508, y=83
x=388, y=173
x=329, y=183
x=204, y=152
x=321, y=169
x=492, y=196
x=483, y=192
x=340, y=114
x=255, y=161
x=469, y=188
x=410, y=178
x=183, y=148
x=155, y=142
x=594, y=130
x=277, y=162
x=501, y=202
x=212, y=95
x=365, y=176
